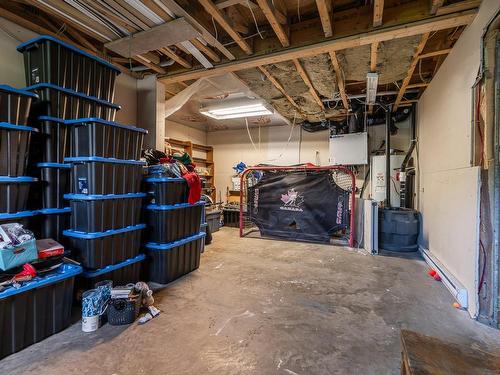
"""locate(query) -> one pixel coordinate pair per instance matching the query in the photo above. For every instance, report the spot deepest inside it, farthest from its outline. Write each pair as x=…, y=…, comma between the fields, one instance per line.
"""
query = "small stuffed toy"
x=146, y=293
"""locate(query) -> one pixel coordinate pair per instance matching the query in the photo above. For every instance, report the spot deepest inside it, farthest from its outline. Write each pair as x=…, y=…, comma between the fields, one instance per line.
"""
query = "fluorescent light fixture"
x=237, y=109
x=371, y=87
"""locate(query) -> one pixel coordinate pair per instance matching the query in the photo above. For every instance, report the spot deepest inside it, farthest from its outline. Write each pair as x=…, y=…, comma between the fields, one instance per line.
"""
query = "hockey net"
x=325, y=197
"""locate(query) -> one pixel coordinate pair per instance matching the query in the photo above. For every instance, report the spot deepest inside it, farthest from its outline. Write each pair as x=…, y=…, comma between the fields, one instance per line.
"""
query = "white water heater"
x=378, y=178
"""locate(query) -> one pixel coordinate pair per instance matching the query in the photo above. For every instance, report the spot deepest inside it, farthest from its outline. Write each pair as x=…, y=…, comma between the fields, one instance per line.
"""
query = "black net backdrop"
x=299, y=205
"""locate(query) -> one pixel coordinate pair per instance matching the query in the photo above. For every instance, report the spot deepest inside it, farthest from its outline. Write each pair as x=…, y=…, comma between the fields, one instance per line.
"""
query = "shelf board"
x=202, y=147
x=201, y=160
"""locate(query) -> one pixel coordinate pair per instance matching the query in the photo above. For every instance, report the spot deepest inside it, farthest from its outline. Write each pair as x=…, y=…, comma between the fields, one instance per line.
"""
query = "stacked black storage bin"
x=40, y=307
x=175, y=240
x=105, y=200
x=15, y=138
x=69, y=84
x=88, y=164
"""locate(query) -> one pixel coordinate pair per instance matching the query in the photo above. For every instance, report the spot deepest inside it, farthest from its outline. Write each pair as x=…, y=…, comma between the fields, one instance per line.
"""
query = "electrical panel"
x=349, y=149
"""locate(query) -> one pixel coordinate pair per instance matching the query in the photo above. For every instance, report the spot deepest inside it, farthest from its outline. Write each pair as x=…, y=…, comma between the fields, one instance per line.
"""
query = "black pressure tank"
x=398, y=229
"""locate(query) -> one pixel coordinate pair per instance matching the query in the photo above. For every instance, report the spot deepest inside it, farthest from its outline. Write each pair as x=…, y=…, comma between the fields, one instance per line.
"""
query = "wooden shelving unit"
x=208, y=161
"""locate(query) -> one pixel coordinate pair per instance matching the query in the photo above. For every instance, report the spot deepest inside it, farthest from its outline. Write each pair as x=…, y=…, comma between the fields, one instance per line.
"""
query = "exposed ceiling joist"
x=270, y=13
x=207, y=35
x=279, y=87
x=417, y=85
x=197, y=54
x=378, y=12
x=226, y=25
x=305, y=77
x=144, y=61
x=325, y=14
x=206, y=50
x=340, y=78
x=363, y=38
x=178, y=59
x=435, y=5
x=458, y=7
x=435, y=53
x=411, y=69
x=222, y=4
x=26, y=23
x=373, y=64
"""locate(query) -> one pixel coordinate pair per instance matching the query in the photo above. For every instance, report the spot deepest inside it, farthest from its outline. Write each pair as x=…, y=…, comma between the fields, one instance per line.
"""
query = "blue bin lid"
x=72, y=93
x=6, y=125
x=167, y=207
x=51, y=119
x=61, y=273
x=54, y=165
x=18, y=91
x=18, y=215
x=92, y=235
x=83, y=121
x=41, y=38
x=52, y=211
x=19, y=179
x=84, y=197
x=171, y=245
x=165, y=179
x=102, y=271
x=83, y=159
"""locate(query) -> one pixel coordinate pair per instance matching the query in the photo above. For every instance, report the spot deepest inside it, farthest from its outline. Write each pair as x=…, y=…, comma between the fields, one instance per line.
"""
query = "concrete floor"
x=269, y=307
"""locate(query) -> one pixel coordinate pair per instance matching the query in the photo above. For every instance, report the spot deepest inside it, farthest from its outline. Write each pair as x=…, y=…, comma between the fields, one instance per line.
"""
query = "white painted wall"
x=126, y=97
x=11, y=61
x=185, y=133
x=444, y=132
x=233, y=146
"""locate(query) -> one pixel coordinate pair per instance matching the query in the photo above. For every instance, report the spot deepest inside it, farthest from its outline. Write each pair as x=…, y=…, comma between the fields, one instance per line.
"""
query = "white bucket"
x=90, y=323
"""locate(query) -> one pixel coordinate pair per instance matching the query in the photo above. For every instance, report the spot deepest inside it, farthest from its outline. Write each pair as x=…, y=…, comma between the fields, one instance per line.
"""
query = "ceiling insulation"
x=320, y=71
x=394, y=58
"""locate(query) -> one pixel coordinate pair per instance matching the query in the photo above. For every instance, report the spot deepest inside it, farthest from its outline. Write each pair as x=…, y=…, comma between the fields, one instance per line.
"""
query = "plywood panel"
x=451, y=224
x=167, y=34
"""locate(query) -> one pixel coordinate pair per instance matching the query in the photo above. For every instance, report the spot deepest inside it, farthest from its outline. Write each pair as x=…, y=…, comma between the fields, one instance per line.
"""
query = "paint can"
x=90, y=323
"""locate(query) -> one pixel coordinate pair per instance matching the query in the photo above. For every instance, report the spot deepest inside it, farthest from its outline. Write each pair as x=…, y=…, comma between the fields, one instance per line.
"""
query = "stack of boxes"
x=175, y=241
x=15, y=138
x=88, y=164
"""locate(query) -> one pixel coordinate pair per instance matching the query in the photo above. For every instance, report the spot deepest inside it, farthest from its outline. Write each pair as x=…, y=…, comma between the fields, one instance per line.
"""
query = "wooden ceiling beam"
x=411, y=69
x=279, y=87
x=145, y=61
x=435, y=5
x=207, y=35
x=458, y=7
x=417, y=85
x=325, y=14
x=305, y=77
x=178, y=59
x=311, y=47
x=216, y=13
x=435, y=53
x=270, y=13
x=222, y=4
x=206, y=50
x=373, y=64
x=378, y=12
x=340, y=78
x=27, y=24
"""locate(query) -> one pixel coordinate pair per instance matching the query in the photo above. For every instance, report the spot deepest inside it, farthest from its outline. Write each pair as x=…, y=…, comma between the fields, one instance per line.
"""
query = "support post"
x=388, y=157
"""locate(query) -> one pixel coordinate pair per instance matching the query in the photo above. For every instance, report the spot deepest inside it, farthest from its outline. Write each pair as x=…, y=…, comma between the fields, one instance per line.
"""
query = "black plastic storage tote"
x=100, y=249
x=50, y=60
x=38, y=309
x=15, y=105
x=14, y=148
